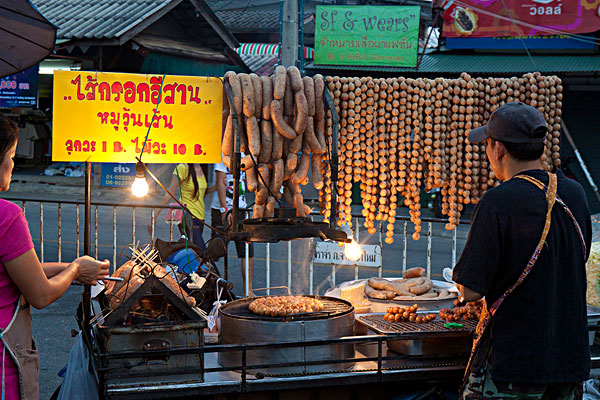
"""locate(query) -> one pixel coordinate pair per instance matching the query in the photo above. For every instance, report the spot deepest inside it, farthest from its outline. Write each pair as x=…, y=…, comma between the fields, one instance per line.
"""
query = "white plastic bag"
x=79, y=383
x=211, y=333
x=590, y=389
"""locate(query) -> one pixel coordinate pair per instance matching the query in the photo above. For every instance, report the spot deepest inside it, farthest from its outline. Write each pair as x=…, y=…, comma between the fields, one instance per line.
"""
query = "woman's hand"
x=91, y=270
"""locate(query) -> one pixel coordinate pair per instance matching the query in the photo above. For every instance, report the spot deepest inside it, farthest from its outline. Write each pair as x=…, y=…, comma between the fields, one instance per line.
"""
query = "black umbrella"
x=26, y=37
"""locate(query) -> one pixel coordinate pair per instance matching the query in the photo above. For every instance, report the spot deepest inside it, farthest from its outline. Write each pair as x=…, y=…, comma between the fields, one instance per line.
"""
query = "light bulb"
x=139, y=187
x=352, y=250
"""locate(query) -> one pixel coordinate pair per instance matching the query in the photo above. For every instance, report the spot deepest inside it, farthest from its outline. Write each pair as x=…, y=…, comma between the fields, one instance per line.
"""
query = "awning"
x=267, y=49
x=488, y=64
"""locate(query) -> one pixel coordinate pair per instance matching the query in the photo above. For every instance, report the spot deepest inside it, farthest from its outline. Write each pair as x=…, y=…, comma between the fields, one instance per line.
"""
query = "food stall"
x=393, y=135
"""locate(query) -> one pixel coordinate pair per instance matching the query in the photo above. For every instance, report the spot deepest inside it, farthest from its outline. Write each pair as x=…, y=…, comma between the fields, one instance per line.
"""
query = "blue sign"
x=519, y=42
x=20, y=89
x=117, y=174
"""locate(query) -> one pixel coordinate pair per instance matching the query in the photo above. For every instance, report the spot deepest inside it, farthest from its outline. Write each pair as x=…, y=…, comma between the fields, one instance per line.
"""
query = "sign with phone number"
x=105, y=117
x=117, y=174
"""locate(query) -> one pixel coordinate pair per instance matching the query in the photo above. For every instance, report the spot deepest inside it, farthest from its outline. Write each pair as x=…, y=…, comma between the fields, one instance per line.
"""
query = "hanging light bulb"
x=139, y=188
x=352, y=250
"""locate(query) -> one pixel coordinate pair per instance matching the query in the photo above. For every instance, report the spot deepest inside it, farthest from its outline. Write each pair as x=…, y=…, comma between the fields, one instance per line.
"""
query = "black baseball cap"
x=513, y=123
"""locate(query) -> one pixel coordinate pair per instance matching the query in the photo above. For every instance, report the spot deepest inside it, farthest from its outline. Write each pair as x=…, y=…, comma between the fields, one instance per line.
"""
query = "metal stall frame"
x=373, y=365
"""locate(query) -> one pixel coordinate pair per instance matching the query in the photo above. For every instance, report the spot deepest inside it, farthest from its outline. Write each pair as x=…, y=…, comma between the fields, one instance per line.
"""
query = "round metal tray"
x=378, y=305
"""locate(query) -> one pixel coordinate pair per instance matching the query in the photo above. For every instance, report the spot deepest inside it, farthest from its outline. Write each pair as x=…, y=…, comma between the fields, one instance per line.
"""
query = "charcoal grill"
x=425, y=339
x=240, y=326
x=126, y=340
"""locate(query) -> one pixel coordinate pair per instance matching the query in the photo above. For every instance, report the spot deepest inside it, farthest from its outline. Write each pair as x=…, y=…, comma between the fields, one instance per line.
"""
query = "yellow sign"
x=104, y=117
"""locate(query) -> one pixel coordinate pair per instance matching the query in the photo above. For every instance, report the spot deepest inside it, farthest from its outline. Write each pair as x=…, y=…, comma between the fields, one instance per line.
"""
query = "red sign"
x=490, y=18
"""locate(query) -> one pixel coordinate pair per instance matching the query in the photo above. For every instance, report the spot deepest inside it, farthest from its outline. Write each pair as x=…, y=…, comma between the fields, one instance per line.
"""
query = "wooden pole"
x=86, y=297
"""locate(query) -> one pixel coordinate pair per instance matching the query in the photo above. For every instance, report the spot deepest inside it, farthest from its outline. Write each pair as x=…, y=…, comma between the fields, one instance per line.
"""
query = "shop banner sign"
x=105, y=117
x=367, y=35
x=20, y=89
x=497, y=18
x=117, y=174
x=332, y=253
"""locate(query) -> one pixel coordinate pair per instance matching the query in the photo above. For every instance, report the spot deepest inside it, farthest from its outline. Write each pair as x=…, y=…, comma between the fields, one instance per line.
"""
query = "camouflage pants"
x=480, y=385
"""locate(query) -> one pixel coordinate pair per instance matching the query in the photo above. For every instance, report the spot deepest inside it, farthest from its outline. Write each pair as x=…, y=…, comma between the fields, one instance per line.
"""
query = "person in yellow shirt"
x=190, y=181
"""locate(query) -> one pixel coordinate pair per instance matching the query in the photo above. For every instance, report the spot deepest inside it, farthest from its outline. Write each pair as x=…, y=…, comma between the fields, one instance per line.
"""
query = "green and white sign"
x=367, y=35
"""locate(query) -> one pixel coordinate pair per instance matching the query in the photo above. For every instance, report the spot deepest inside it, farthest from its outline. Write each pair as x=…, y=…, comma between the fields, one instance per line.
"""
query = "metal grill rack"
x=436, y=327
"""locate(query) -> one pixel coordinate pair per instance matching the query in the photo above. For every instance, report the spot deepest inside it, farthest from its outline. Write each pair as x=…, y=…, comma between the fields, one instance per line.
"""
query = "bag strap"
x=541, y=186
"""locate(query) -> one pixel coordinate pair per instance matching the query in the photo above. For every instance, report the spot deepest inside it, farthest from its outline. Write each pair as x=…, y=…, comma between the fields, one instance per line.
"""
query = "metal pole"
x=280, y=31
x=334, y=159
x=311, y=277
x=246, y=269
x=85, y=301
x=268, y=273
x=357, y=233
x=429, y=237
x=236, y=156
x=289, y=34
x=42, y=231
x=77, y=230
x=405, y=231
x=301, y=40
x=454, y=247
x=59, y=233
x=333, y=274
x=289, y=266
x=96, y=231
x=114, y=244
x=580, y=159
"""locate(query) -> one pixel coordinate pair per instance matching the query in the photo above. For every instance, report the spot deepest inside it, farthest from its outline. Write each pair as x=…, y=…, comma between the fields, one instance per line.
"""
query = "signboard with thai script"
x=105, y=117
x=20, y=89
x=367, y=35
x=332, y=253
x=497, y=18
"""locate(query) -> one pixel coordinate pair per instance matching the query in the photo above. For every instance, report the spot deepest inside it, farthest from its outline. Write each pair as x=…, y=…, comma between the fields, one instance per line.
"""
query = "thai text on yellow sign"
x=104, y=117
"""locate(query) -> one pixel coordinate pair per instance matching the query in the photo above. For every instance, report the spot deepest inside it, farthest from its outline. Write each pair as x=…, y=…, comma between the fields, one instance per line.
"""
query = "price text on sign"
x=367, y=35
x=332, y=253
x=104, y=117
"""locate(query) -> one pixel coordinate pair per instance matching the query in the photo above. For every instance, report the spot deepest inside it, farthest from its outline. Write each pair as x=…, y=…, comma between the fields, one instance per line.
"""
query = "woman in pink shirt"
x=25, y=281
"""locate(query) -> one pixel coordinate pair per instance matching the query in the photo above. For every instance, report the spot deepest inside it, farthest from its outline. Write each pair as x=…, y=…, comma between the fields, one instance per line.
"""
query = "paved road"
x=53, y=325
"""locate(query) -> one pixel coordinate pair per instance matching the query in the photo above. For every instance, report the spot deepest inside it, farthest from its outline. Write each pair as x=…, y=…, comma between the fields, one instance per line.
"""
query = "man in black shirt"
x=536, y=340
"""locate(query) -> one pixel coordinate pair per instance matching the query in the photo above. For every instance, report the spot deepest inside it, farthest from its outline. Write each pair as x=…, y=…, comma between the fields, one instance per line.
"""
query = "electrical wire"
x=520, y=35
x=183, y=206
x=187, y=253
x=162, y=82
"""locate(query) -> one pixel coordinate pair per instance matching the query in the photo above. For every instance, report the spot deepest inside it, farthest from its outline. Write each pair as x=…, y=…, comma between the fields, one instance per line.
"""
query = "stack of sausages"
x=283, y=137
x=396, y=136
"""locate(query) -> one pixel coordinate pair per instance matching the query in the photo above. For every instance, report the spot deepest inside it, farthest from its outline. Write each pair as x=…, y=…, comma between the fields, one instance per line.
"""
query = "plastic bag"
x=591, y=389
x=174, y=216
x=592, y=266
x=79, y=383
x=211, y=333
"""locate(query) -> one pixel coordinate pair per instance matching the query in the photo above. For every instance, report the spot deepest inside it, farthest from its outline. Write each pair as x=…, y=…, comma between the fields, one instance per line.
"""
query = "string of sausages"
x=397, y=137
